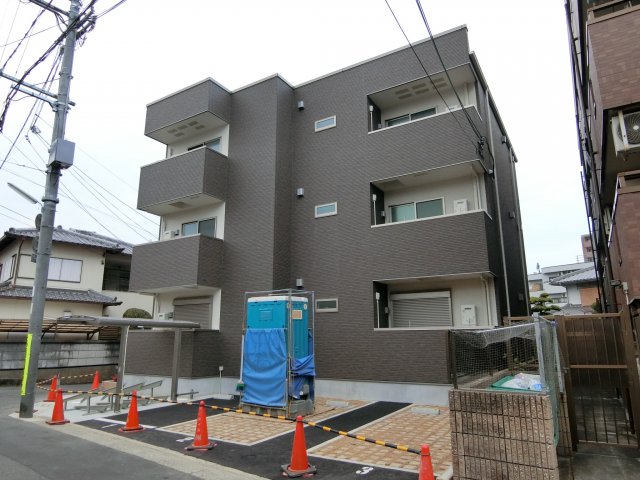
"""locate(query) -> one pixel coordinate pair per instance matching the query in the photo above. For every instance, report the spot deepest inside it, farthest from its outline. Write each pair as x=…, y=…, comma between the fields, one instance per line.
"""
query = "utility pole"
x=60, y=157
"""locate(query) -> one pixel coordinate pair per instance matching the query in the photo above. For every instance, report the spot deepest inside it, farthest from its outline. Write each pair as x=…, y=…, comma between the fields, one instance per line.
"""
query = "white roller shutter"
x=419, y=310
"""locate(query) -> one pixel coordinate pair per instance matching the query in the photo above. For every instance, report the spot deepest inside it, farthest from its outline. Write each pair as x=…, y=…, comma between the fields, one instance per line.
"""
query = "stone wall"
x=496, y=435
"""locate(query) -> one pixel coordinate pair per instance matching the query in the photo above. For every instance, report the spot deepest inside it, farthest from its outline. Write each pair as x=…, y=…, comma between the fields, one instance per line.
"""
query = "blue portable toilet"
x=277, y=360
x=273, y=312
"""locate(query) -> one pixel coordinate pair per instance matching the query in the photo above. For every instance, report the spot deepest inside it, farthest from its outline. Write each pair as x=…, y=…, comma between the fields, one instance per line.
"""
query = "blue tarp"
x=303, y=370
x=264, y=368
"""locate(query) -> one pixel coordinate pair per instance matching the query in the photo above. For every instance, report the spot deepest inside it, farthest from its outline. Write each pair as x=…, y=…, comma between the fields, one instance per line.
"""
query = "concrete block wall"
x=60, y=357
x=496, y=435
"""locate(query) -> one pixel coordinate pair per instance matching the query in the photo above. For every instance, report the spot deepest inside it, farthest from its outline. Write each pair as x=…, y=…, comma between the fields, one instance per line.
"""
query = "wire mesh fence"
x=521, y=358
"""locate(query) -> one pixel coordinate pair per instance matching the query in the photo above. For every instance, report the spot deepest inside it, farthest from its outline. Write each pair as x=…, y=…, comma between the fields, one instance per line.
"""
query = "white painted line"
x=118, y=422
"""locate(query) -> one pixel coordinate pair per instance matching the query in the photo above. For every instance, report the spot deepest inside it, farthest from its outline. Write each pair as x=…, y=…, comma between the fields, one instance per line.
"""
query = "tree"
x=136, y=313
x=539, y=304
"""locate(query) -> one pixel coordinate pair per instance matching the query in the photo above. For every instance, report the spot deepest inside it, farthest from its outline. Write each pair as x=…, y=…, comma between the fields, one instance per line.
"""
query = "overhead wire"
x=91, y=189
x=446, y=71
x=81, y=18
x=453, y=113
x=15, y=15
x=25, y=36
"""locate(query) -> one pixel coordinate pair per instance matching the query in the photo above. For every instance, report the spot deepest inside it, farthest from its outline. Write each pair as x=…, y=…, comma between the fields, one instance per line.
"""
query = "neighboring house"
x=88, y=275
x=607, y=97
x=367, y=186
x=581, y=287
x=544, y=281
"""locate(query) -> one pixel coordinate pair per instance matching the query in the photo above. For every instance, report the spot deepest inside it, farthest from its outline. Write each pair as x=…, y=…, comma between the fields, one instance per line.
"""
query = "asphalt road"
x=32, y=450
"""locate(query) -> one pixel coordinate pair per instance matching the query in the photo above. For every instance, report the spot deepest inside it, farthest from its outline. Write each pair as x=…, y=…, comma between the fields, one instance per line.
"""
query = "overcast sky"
x=146, y=49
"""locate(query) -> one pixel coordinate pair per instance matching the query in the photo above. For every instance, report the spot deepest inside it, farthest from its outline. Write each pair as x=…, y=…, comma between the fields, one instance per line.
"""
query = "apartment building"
x=388, y=191
x=604, y=37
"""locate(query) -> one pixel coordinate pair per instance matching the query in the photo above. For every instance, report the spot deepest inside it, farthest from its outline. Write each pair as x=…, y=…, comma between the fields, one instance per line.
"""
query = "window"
x=325, y=123
x=210, y=144
x=410, y=117
x=417, y=210
x=326, y=305
x=65, y=269
x=402, y=213
x=326, y=210
x=204, y=227
x=421, y=310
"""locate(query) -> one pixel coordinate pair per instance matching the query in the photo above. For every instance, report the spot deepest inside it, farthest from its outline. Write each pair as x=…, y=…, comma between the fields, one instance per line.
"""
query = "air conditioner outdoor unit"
x=626, y=132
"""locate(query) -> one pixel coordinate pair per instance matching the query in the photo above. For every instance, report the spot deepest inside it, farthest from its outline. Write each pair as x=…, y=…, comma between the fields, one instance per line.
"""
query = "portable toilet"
x=277, y=355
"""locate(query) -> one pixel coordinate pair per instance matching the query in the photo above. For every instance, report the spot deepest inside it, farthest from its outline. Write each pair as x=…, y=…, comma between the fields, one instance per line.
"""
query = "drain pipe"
x=499, y=212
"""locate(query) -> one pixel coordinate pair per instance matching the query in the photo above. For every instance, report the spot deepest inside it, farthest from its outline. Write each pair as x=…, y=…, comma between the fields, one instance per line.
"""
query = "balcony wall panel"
x=206, y=96
x=415, y=249
x=199, y=172
x=613, y=46
x=183, y=262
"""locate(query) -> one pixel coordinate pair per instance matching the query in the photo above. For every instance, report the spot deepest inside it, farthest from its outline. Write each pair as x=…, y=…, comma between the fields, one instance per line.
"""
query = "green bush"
x=136, y=313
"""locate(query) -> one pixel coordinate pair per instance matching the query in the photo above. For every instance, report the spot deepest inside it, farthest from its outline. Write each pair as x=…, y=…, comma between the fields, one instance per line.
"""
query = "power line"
x=446, y=71
x=82, y=17
x=473, y=142
x=113, y=7
x=15, y=15
x=13, y=211
x=33, y=24
x=32, y=35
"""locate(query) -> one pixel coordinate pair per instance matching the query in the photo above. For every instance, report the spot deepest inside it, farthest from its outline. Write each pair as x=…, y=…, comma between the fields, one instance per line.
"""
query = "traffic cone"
x=201, y=438
x=57, y=416
x=426, y=467
x=51, y=396
x=132, y=425
x=299, y=465
x=96, y=381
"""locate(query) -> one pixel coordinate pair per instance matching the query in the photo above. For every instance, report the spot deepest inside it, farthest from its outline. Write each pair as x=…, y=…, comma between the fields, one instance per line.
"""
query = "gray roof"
x=72, y=236
x=59, y=295
x=585, y=275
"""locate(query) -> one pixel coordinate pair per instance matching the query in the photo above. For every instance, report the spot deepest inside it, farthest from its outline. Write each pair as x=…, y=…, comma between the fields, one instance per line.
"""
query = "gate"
x=601, y=378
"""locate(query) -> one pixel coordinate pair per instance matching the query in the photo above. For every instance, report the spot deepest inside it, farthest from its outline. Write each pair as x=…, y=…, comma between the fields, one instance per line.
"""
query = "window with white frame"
x=410, y=117
x=326, y=305
x=421, y=310
x=204, y=227
x=417, y=210
x=326, y=209
x=325, y=123
x=65, y=269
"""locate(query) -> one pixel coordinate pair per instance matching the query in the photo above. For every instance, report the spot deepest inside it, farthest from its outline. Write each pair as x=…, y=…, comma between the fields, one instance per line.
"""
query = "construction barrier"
x=325, y=428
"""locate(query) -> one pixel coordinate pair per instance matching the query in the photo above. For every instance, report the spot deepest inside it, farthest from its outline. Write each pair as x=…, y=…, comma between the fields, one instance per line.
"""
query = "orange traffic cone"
x=201, y=438
x=96, y=381
x=426, y=467
x=51, y=396
x=299, y=465
x=132, y=425
x=57, y=416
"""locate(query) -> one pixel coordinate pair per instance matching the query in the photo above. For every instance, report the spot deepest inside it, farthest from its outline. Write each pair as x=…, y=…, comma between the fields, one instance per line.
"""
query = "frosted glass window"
x=402, y=213
x=65, y=269
x=325, y=123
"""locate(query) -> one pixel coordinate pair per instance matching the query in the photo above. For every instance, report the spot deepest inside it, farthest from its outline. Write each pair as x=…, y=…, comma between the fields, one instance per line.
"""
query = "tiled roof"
x=60, y=295
x=585, y=275
x=72, y=236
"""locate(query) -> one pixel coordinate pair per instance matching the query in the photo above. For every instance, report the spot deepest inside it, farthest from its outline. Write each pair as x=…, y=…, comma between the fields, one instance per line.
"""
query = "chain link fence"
x=521, y=358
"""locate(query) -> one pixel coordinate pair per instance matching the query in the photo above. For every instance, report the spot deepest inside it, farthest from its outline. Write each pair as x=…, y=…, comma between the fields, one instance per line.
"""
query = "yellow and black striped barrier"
x=325, y=428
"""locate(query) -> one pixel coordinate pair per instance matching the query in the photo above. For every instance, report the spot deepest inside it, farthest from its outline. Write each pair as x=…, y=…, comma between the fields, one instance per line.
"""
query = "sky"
x=143, y=50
